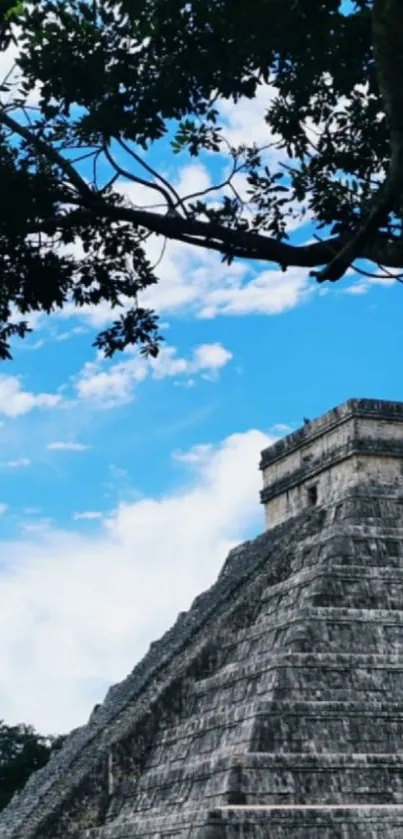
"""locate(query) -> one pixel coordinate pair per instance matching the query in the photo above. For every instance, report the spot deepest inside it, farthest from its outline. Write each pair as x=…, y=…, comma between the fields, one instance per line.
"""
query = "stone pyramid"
x=273, y=709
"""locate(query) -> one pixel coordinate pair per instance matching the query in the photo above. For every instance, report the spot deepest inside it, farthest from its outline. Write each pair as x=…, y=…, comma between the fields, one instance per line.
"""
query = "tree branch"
x=48, y=151
x=387, y=29
x=368, y=243
x=212, y=236
x=152, y=172
x=215, y=187
x=135, y=179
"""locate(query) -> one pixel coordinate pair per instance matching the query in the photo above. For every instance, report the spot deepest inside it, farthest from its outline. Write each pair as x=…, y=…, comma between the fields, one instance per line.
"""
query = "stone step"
x=267, y=778
x=320, y=727
x=338, y=585
x=310, y=821
x=334, y=614
x=267, y=725
x=304, y=629
x=244, y=710
x=168, y=785
x=355, y=547
x=296, y=590
x=161, y=823
x=321, y=628
x=217, y=729
x=308, y=594
x=283, y=675
x=358, y=588
x=229, y=735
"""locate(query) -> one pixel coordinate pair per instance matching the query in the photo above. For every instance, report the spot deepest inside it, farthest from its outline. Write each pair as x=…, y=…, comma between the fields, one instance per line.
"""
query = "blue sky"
x=125, y=483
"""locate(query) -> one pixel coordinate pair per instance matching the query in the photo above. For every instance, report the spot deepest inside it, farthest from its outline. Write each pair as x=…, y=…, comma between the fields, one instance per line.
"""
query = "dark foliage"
x=117, y=76
x=22, y=752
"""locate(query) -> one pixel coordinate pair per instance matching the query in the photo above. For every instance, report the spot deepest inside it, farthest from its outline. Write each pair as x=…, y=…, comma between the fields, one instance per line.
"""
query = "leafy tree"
x=22, y=752
x=117, y=76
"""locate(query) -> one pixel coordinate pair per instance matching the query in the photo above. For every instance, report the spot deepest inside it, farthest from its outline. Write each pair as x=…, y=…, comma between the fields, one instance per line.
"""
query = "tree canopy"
x=103, y=81
x=22, y=752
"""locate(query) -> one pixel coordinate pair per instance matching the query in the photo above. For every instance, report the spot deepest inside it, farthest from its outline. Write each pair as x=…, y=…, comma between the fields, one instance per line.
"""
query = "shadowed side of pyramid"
x=300, y=709
x=280, y=714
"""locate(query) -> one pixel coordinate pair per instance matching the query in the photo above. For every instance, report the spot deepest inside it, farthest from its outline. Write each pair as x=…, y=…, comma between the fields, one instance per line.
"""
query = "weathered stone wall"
x=331, y=482
x=360, y=440
x=308, y=450
x=368, y=409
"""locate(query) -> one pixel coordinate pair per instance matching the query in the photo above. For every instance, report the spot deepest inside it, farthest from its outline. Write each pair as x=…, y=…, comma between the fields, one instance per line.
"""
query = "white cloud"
x=115, y=386
x=362, y=286
x=192, y=178
x=3, y=508
x=18, y=463
x=68, y=446
x=201, y=285
x=14, y=76
x=196, y=456
x=281, y=428
x=27, y=347
x=71, y=333
x=111, y=387
x=14, y=401
x=77, y=611
x=211, y=357
x=195, y=282
x=357, y=288
x=244, y=123
x=87, y=516
x=188, y=276
x=36, y=526
x=270, y=292
x=139, y=195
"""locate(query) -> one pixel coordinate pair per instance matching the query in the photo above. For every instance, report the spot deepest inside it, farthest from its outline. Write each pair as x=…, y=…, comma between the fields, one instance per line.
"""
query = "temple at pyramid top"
x=359, y=441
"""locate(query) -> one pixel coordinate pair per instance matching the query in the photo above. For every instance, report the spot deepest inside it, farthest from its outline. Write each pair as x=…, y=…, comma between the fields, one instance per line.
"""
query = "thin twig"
x=135, y=179
x=151, y=171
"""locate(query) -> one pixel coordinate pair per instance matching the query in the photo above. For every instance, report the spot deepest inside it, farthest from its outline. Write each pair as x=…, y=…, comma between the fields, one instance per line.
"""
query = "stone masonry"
x=360, y=441
x=273, y=709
